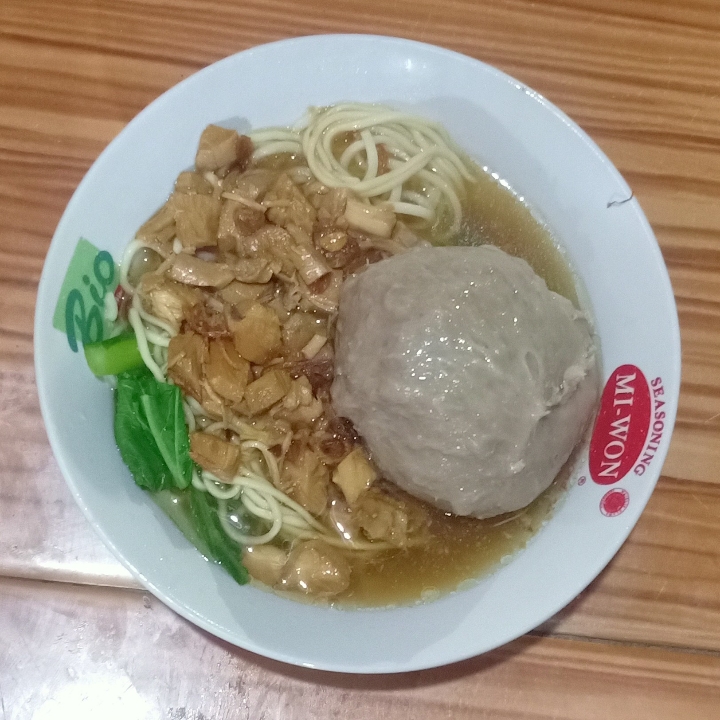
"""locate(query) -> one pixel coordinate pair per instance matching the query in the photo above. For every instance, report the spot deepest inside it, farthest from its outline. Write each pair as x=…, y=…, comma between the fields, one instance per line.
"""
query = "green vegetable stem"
x=224, y=550
x=113, y=356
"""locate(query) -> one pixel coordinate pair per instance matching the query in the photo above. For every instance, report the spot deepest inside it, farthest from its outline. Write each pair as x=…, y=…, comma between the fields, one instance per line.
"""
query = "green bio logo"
x=80, y=310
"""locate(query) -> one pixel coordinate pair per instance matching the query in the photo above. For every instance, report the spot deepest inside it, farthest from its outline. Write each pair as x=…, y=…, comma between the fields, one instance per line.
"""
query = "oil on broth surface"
x=459, y=549
x=463, y=549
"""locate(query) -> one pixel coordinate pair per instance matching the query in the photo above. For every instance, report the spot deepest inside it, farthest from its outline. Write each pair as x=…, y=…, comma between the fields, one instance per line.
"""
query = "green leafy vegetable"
x=133, y=435
x=153, y=440
x=150, y=431
x=113, y=356
x=224, y=550
x=164, y=412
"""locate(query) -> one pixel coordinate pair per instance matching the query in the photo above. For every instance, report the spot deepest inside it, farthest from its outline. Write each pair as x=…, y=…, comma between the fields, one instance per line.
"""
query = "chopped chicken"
x=207, y=320
x=289, y=206
x=316, y=568
x=254, y=183
x=324, y=294
x=331, y=208
x=238, y=220
x=265, y=563
x=220, y=147
x=196, y=219
x=160, y=228
x=300, y=406
x=187, y=354
x=192, y=183
x=242, y=296
x=257, y=336
x=307, y=259
x=270, y=242
x=381, y=517
x=305, y=478
x=253, y=270
x=167, y=300
x=212, y=403
x=191, y=270
x=270, y=431
x=248, y=275
x=268, y=389
x=354, y=475
x=211, y=453
x=299, y=329
x=226, y=372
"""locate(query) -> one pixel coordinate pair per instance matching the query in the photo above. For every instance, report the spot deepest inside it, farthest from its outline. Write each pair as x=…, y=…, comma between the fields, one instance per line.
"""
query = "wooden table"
x=79, y=639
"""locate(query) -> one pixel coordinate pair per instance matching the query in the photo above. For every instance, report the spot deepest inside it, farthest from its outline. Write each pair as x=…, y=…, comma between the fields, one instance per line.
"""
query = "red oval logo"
x=614, y=502
x=621, y=426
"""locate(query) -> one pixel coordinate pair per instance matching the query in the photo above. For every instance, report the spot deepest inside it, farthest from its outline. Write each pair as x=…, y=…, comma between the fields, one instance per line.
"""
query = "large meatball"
x=469, y=380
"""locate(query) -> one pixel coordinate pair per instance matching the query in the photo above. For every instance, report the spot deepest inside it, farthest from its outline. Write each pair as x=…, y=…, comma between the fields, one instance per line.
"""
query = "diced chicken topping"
x=215, y=455
x=305, y=478
x=331, y=208
x=160, y=228
x=193, y=183
x=187, y=354
x=191, y=270
x=289, y=206
x=257, y=336
x=265, y=563
x=207, y=320
x=354, y=475
x=268, y=389
x=315, y=568
x=325, y=296
x=220, y=148
x=196, y=219
x=307, y=259
x=237, y=220
x=247, y=273
x=254, y=183
x=242, y=296
x=167, y=300
x=227, y=373
x=381, y=517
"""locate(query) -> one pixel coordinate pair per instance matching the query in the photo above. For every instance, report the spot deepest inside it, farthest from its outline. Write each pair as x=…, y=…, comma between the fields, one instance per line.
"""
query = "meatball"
x=469, y=380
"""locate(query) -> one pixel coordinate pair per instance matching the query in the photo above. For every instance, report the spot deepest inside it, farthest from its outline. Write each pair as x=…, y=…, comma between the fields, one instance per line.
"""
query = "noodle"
x=421, y=154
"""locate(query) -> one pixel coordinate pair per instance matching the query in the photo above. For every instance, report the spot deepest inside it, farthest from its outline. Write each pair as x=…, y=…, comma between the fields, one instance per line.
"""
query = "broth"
x=462, y=549
x=459, y=549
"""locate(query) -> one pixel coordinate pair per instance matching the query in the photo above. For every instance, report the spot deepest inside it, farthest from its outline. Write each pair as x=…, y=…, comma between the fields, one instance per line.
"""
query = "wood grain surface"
x=642, y=77
x=71, y=649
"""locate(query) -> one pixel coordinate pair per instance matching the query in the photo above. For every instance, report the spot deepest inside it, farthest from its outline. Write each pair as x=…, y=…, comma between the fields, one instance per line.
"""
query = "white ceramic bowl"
x=563, y=175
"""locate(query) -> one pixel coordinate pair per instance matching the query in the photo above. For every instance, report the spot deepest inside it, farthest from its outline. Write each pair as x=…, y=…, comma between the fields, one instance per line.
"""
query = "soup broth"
x=462, y=549
x=455, y=550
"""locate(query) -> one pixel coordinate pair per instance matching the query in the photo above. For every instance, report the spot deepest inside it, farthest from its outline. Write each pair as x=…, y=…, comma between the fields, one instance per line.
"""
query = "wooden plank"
x=662, y=586
x=112, y=653
x=43, y=534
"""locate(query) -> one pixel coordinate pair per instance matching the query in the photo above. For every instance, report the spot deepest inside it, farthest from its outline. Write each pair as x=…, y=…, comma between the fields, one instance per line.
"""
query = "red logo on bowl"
x=614, y=502
x=621, y=426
